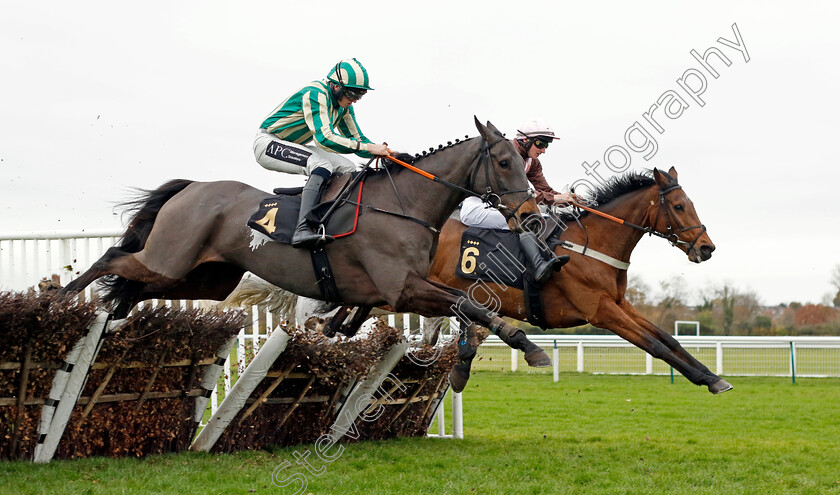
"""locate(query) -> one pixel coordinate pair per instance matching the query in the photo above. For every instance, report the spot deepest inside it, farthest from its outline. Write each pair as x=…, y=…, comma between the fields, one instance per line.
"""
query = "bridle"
x=671, y=234
x=489, y=197
x=484, y=162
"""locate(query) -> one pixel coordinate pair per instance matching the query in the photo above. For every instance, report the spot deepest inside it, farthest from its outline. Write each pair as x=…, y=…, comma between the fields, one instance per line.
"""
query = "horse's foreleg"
x=715, y=383
x=616, y=319
x=421, y=296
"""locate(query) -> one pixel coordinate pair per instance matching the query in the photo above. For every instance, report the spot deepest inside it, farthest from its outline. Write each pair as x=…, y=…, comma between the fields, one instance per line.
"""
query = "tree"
x=727, y=301
x=835, y=281
x=637, y=291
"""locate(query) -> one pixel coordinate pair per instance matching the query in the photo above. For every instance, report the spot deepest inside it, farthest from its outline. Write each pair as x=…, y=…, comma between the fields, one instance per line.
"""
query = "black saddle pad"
x=491, y=255
x=277, y=215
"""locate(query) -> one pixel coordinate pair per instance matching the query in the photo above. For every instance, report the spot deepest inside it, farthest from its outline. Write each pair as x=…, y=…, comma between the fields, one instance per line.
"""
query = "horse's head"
x=676, y=218
x=500, y=175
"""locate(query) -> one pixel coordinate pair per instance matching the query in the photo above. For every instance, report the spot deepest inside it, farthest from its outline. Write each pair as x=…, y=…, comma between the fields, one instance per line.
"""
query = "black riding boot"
x=304, y=237
x=542, y=267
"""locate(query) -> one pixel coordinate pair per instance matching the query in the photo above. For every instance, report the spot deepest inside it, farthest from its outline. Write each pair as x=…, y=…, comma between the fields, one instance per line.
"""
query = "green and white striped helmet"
x=350, y=73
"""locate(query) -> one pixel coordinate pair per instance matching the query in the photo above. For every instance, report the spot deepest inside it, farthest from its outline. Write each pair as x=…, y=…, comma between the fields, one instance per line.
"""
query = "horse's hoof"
x=537, y=359
x=457, y=380
x=720, y=386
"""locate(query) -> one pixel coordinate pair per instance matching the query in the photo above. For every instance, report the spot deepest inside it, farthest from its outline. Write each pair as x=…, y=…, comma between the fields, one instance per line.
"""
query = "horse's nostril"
x=706, y=249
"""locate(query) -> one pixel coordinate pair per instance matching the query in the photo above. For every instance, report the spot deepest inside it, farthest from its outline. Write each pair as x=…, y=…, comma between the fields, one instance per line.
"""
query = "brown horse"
x=588, y=290
x=189, y=240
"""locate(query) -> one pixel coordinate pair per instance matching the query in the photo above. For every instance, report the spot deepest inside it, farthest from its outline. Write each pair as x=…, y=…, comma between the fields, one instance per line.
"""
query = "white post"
x=240, y=352
x=255, y=328
x=441, y=417
x=580, y=357
x=648, y=364
x=406, y=317
x=72, y=389
x=719, y=358
x=210, y=381
x=242, y=389
x=793, y=359
x=457, y=416
x=555, y=355
x=514, y=359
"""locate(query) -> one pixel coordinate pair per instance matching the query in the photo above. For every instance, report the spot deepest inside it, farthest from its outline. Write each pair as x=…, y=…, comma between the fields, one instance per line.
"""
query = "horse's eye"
x=679, y=207
x=504, y=164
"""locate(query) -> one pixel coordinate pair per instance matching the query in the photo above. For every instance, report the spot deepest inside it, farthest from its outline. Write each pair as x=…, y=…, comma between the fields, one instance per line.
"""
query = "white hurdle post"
x=72, y=387
x=238, y=395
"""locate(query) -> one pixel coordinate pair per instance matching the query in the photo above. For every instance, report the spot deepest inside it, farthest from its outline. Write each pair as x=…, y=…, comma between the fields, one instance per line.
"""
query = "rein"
x=489, y=197
x=671, y=236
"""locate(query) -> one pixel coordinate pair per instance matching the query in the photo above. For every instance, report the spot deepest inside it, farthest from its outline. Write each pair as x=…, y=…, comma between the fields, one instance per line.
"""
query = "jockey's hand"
x=377, y=149
x=563, y=198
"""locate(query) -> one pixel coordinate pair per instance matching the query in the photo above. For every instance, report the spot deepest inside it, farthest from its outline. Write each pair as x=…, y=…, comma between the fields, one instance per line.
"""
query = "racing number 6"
x=468, y=259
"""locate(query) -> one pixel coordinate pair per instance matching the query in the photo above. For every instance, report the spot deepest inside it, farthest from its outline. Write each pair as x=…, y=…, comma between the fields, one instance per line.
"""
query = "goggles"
x=541, y=142
x=354, y=94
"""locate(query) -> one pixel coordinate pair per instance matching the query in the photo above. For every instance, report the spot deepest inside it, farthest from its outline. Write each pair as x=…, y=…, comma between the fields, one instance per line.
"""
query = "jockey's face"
x=534, y=152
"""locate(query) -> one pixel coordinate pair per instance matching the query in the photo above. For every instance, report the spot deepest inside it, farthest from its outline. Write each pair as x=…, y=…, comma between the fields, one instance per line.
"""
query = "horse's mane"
x=613, y=188
x=414, y=159
x=620, y=185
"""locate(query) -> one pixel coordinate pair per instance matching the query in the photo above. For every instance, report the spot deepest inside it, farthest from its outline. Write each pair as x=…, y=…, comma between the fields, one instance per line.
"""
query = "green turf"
x=525, y=435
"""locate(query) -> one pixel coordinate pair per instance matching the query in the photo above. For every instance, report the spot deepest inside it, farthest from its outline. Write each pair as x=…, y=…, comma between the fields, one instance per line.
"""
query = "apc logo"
x=287, y=154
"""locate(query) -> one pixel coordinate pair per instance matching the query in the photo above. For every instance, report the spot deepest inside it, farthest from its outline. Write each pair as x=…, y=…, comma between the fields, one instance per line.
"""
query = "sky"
x=100, y=97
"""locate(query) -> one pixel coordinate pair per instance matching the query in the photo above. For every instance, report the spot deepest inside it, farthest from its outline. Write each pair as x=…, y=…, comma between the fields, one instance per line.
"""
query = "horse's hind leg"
x=100, y=268
x=467, y=349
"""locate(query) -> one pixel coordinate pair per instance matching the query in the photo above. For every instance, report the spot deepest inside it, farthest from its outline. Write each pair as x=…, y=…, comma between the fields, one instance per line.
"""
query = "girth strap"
x=324, y=275
x=533, y=303
x=577, y=248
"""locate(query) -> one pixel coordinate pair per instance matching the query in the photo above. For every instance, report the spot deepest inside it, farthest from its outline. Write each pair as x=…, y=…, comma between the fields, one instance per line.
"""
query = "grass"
x=527, y=435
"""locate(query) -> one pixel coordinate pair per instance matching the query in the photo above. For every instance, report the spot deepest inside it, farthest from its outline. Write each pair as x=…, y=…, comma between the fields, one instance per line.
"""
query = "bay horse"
x=189, y=240
x=588, y=290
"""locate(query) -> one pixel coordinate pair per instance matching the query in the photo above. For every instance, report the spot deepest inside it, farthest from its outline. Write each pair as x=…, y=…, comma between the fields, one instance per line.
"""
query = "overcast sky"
x=98, y=97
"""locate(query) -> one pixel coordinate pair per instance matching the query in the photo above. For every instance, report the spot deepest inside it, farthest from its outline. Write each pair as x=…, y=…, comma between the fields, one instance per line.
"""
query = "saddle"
x=277, y=215
x=494, y=255
x=277, y=218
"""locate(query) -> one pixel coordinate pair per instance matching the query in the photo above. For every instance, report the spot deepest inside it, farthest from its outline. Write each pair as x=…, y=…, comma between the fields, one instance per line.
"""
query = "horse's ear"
x=487, y=132
x=478, y=125
x=493, y=128
x=673, y=173
x=662, y=179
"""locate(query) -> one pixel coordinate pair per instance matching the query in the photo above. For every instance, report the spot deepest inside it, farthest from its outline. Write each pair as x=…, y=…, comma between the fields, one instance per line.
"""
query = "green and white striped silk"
x=312, y=114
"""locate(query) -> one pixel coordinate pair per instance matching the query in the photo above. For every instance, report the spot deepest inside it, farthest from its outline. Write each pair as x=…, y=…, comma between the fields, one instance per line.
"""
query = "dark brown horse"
x=189, y=240
x=588, y=290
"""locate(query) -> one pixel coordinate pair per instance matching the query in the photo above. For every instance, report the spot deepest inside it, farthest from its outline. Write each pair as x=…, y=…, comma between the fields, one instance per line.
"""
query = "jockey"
x=308, y=133
x=531, y=141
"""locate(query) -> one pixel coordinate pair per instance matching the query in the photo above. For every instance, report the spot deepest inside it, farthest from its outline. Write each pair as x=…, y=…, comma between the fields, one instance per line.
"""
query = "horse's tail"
x=143, y=210
x=253, y=291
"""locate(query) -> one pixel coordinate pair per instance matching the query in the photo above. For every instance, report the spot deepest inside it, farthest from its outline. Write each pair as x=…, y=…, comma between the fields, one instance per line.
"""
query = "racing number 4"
x=267, y=222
